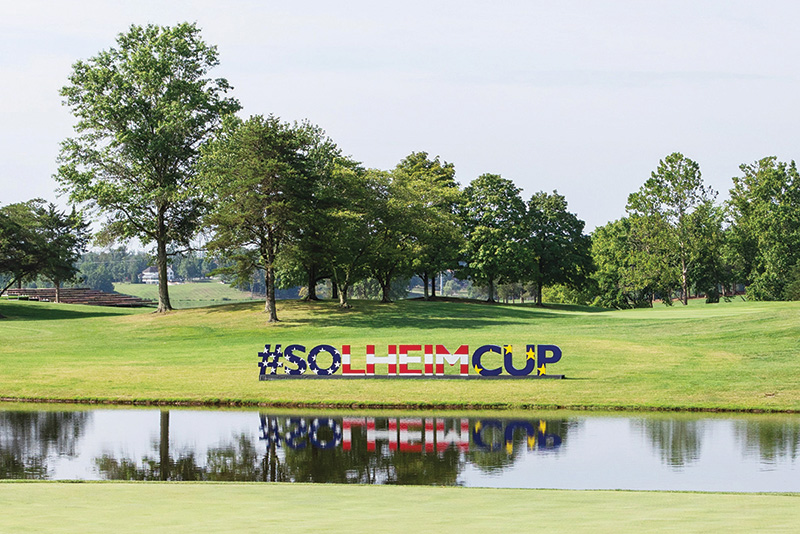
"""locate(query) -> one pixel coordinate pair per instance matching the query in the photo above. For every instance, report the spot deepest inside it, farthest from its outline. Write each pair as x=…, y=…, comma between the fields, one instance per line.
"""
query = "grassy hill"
x=192, y=295
x=734, y=355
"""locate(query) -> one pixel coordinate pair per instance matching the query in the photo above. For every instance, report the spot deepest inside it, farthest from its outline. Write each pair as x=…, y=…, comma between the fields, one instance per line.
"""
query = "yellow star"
x=478, y=427
x=478, y=369
x=531, y=354
x=531, y=442
x=542, y=370
x=542, y=427
x=509, y=447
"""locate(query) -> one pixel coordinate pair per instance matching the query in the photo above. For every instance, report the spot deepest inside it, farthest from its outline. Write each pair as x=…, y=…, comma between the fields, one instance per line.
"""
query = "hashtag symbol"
x=270, y=360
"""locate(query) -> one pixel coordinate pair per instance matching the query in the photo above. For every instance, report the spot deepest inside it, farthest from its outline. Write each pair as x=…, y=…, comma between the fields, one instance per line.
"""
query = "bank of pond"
x=567, y=450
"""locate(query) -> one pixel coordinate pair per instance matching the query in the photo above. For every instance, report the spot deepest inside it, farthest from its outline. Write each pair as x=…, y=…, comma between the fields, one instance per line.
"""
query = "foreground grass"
x=192, y=295
x=727, y=356
x=185, y=507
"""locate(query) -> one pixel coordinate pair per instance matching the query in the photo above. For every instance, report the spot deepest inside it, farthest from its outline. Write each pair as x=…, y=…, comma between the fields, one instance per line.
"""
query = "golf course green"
x=728, y=356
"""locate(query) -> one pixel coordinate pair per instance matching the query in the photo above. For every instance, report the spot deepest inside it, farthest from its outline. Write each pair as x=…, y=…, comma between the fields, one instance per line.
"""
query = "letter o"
x=312, y=360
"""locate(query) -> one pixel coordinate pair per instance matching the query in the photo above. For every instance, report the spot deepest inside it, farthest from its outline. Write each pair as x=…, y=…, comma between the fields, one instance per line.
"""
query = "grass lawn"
x=734, y=355
x=207, y=507
x=192, y=295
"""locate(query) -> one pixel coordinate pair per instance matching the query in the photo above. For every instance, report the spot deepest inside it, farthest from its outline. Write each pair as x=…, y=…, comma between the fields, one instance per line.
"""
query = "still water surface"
x=541, y=450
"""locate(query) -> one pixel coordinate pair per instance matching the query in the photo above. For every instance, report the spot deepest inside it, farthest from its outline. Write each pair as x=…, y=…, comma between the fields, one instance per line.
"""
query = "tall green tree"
x=557, y=250
x=433, y=199
x=64, y=237
x=628, y=271
x=764, y=210
x=20, y=249
x=662, y=208
x=255, y=173
x=359, y=244
x=392, y=232
x=39, y=240
x=308, y=258
x=144, y=108
x=493, y=215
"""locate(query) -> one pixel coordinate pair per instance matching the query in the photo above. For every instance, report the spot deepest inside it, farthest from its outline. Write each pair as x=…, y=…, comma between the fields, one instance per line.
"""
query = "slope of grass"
x=190, y=295
x=231, y=507
x=727, y=356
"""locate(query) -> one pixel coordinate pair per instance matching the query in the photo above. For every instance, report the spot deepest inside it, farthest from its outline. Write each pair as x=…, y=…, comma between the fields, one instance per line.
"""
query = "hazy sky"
x=582, y=97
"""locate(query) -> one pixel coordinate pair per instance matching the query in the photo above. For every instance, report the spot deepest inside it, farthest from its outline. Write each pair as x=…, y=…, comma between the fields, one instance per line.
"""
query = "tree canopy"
x=765, y=231
x=664, y=214
x=144, y=108
x=493, y=215
x=256, y=173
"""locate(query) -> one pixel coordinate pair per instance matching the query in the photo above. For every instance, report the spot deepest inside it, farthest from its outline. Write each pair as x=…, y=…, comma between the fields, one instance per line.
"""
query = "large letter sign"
x=416, y=360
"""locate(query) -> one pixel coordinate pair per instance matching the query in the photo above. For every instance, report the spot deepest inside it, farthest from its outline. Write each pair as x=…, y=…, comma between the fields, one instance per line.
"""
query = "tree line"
x=160, y=155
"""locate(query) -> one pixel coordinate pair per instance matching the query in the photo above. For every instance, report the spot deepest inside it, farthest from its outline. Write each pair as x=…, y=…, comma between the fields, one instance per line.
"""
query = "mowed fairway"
x=734, y=355
x=194, y=295
x=208, y=507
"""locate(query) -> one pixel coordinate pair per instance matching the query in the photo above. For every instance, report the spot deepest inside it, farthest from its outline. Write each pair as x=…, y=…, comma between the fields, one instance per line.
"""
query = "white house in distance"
x=150, y=275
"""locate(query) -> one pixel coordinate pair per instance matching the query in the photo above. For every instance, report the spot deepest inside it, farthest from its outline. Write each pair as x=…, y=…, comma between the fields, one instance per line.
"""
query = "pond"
x=742, y=453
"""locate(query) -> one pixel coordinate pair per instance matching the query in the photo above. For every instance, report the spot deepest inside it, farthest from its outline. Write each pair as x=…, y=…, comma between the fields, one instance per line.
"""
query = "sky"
x=582, y=97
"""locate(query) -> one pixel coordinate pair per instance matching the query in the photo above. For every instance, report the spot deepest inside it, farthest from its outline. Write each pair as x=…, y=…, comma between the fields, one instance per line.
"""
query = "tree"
x=143, y=109
x=255, y=172
x=36, y=239
x=434, y=197
x=493, y=216
x=307, y=260
x=20, y=252
x=397, y=218
x=764, y=209
x=709, y=269
x=63, y=239
x=557, y=250
x=353, y=241
x=618, y=269
x=663, y=206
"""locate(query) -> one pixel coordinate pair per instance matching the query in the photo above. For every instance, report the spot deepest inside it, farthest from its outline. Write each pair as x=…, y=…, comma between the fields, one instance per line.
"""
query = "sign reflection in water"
x=398, y=450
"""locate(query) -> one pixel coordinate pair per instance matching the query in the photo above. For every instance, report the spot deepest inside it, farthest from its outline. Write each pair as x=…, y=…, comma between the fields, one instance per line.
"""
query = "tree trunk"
x=491, y=290
x=334, y=289
x=684, y=282
x=425, y=285
x=57, y=283
x=385, y=293
x=341, y=288
x=343, y=296
x=433, y=286
x=273, y=462
x=163, y=281
x=539, y=295
x=312, y=283
x=269, y=306
x=385, y=281
x=163, y=448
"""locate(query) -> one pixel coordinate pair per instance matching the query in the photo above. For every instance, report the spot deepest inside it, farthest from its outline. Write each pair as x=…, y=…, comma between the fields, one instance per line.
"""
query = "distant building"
x=150, y=275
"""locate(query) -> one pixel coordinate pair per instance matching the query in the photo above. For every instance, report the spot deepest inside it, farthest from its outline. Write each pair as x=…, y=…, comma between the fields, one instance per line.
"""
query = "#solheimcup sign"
x=406, y=361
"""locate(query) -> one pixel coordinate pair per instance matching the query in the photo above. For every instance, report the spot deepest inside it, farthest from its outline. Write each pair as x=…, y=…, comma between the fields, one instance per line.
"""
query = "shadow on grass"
x=419, y=314
x=15, y=311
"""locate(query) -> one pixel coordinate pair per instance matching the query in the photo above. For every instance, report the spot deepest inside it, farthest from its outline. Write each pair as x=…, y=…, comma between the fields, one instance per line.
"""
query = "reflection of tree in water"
x=305, y=462
x=493, y=452
x=772, y=440
x=28, y=438
x=676, y=440
x=162, y=467
x=239, y=460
